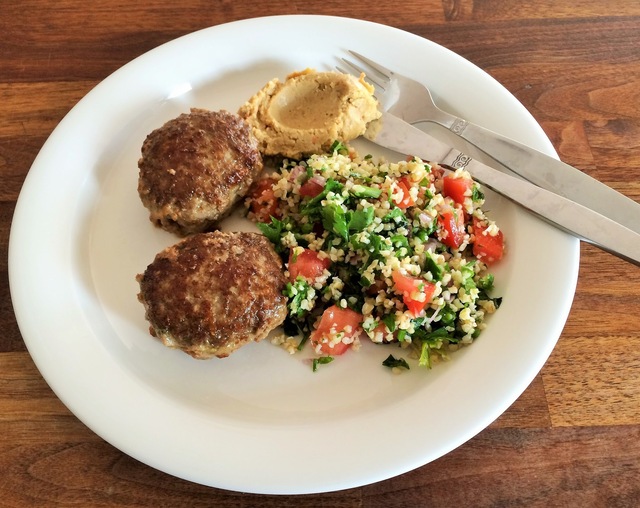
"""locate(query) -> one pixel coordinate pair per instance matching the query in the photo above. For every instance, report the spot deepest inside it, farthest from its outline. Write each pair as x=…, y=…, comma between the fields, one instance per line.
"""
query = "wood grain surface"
x=571, y=439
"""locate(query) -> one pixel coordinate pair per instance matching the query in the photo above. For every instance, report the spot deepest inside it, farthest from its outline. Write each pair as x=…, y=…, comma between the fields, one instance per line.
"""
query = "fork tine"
x=359, y=69
x=382, y=71
x=342, y=70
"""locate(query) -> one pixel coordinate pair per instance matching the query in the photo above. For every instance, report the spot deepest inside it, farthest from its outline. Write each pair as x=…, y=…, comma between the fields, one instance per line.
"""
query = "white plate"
x=259, y=421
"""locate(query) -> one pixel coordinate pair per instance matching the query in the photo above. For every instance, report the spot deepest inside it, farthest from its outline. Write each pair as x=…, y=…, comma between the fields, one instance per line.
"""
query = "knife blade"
x=546, y=172
x=554, y=175
x=580, y=221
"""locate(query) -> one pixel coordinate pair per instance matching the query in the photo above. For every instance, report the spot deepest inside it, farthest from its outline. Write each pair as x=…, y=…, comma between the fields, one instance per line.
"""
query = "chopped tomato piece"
x=457, y=188
x=382, y=331
x=334, y=321
x=436, y=173
x=404, y=184
x=486, y=247
x=404, y=283
x=264, y=203
x=308, y=264
x=311, y=188
x=452, y=226
x=410, y=287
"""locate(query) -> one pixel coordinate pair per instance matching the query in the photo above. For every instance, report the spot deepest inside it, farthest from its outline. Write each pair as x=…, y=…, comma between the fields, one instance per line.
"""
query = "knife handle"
x=578, y=220
x=547, y=172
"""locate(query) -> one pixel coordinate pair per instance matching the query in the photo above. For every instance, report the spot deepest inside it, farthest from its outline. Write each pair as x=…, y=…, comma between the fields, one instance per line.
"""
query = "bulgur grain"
x=377, y=243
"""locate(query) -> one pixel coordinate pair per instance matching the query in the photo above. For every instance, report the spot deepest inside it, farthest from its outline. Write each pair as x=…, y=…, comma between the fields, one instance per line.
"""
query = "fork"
x=412, y=101
x=400, y=95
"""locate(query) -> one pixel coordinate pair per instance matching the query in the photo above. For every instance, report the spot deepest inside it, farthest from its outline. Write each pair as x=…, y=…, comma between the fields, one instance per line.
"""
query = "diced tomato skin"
x=336, y=319
x=456, y=188
x=310, y=188
x=380, y=329
x=261, y=185
x=414, y=306
x=403, y=283
x=405, y=185
x=407, y=285
x=487, y=248
x=339, y=317
x=264, y=203
x=436, y=173
x=308, y=264
x=406, y=181
x=451, y=221
x=336, y=349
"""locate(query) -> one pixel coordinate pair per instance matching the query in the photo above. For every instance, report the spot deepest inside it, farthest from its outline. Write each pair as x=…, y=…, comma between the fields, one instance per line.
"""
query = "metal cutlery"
x=577, y=219
x=412, y=101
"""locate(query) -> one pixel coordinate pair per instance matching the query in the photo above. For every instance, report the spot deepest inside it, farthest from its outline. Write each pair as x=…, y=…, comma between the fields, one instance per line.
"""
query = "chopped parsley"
x=392, y=362
x=323, y=360
x=369, y=235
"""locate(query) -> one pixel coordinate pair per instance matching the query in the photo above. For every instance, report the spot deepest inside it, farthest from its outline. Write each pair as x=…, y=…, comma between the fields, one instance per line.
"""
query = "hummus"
x=310, y=110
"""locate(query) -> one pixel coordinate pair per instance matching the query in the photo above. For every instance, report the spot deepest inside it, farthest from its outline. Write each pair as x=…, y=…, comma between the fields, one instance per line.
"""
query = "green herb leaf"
x=392, y=362
x=468, y=273
x=390, y=322
x=360, y=219
x=360, y=191
x=396, y=215
x=430, y=263
x=425, y=356
x=321, y=361
x=486, y=283
x=273, y=231
x=436, y=335
x=340, y=147
x=334, y=219
x=297, y=292
x=476, y=194
x=447, y=316
x=313, y=205
x=376, y=243
x=364, y=282
x=303, y=341
x=399, y=242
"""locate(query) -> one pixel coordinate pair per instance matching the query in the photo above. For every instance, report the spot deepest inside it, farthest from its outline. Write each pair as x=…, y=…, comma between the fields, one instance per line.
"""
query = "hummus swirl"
x=310, y=110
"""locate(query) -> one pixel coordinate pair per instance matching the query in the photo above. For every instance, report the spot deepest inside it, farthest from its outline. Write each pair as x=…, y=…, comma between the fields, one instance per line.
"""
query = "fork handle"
x=548, y=172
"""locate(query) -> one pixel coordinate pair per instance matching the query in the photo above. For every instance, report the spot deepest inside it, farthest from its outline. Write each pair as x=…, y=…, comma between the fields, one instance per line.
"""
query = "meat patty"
x=213, y=292
x=195, y=167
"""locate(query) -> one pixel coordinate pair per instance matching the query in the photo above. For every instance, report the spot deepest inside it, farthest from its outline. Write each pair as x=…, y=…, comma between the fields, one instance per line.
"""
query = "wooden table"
x=572, y=438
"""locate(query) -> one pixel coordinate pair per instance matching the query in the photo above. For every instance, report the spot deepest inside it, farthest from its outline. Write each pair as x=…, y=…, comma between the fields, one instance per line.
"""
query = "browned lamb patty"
x=195, y=167
x=213, y=292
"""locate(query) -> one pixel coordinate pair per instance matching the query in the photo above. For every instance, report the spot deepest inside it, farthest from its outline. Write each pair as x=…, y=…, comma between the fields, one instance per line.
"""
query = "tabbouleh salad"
x=392, y=252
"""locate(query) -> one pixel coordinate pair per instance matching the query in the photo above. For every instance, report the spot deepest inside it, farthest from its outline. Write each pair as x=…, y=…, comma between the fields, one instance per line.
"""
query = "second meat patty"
x=213, y=292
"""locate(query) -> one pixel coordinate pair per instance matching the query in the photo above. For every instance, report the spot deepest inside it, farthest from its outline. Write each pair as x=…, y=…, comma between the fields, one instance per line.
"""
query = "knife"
x=579, y=220
x=552, y=174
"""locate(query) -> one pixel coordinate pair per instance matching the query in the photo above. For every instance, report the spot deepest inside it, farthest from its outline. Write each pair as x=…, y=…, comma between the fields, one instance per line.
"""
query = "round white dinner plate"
x=259, y=421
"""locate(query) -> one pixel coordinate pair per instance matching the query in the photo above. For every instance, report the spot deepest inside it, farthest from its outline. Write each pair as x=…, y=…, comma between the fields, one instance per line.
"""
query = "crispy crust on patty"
x=211, y=293
x=195, y=167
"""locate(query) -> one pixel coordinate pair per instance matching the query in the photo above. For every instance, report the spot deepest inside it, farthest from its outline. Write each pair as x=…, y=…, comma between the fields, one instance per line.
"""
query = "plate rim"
x=34, y=338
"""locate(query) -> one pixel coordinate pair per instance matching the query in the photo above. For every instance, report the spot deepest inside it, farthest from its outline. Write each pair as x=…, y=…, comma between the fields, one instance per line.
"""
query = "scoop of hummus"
x=310, y=110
